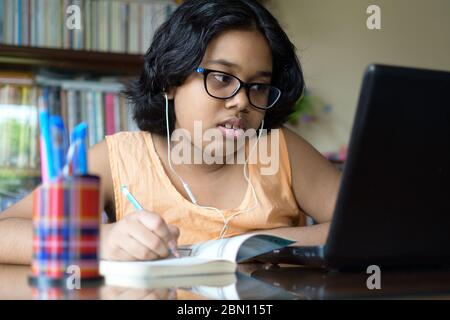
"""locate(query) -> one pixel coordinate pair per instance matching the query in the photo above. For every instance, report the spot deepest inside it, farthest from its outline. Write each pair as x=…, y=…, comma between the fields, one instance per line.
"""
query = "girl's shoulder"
x=302, y=155
x=127, y=144
x=98, y=164
x=116, y=153
x=315, y=180
x=127, y=136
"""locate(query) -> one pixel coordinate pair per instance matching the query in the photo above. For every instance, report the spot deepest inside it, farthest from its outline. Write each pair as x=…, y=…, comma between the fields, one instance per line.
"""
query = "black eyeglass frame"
x=242, y=84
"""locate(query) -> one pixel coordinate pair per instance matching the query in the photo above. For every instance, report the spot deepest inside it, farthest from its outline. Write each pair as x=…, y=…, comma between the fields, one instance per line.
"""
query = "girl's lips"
x=234, y=123
x=232, y=127
x=231, y=133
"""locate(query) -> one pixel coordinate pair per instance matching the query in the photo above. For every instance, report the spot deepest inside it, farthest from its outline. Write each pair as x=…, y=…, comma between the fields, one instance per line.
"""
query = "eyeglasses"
x=222, y=85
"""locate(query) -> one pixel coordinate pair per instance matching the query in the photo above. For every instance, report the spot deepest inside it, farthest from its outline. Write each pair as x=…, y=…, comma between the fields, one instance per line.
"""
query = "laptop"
x=393, y=205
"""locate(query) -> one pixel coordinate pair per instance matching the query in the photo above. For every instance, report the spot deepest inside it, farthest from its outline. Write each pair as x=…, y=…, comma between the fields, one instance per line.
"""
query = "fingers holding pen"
x=155, y=223
x=167, y=233
x=150, y=240
x=141, y=235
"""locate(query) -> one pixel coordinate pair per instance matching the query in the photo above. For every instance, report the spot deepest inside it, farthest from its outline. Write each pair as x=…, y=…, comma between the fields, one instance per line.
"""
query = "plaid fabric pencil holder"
x=66, y=221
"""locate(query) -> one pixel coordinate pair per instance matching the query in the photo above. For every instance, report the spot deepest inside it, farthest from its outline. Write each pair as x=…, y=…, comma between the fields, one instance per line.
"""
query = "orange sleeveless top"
x=135, y=163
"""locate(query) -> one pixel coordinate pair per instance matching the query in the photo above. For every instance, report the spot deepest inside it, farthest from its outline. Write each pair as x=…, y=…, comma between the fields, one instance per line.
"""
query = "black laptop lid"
x=393, y=206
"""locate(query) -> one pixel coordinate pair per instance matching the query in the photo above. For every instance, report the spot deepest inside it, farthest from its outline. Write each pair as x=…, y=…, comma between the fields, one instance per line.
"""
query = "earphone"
x=226, y=221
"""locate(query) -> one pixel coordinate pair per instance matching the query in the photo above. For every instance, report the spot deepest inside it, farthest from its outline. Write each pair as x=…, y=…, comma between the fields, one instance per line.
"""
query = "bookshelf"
x=29, y=58
x=106, y=53
x=34, y=41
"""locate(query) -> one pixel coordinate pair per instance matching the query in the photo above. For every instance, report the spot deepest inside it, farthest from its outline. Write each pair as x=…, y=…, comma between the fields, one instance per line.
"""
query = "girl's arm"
x=16, y=233
x=315, y=182
x=304, y=236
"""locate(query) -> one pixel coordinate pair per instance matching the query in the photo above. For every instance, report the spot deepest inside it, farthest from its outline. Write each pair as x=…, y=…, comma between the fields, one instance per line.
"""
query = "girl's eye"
x=261, y=88
x=223, y=78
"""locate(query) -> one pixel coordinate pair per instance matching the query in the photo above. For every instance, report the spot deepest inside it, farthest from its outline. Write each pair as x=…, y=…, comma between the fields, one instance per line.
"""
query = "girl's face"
x=244, y=54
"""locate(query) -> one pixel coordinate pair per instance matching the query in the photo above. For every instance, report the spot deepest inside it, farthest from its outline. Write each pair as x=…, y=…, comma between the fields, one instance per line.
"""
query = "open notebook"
x=205, y=258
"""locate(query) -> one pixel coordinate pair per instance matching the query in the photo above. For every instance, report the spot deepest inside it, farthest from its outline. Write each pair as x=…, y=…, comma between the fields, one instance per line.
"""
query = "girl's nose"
x=239, y=101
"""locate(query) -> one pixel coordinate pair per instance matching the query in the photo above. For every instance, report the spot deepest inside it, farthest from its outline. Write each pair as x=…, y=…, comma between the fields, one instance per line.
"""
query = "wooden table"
x=256, y=281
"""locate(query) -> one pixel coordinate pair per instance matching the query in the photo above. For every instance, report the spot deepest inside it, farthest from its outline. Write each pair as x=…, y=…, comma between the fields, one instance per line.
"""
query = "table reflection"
x=252, y=281
x=312, y=283
x=14, y=285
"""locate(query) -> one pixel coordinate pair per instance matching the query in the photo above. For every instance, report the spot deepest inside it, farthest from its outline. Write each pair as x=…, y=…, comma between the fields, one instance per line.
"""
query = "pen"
x=80, y=156
x=131, y=198
x=48, y=171
x=137, y=206
x=43, y=146
x=58, y=138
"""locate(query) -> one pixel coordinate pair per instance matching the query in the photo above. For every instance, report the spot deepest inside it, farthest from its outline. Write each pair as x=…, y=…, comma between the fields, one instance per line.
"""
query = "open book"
x=206, y=258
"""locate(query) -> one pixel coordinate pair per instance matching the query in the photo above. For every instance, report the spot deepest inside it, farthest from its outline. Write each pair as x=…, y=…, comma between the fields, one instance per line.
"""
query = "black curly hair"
x=180, y=43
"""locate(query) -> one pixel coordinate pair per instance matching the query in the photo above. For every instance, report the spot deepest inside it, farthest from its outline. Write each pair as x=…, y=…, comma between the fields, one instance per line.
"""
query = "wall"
x=335, y=46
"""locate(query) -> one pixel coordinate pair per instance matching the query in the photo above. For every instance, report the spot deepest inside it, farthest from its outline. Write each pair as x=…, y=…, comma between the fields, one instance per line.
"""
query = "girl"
x=228, y=66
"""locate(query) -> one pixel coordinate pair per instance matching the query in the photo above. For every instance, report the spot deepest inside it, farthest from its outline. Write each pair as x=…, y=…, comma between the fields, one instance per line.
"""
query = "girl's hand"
x=119, y=293
x=141, y=235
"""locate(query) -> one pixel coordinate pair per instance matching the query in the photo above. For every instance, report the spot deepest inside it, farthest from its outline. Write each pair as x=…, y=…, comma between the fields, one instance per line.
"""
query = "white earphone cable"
x=185, y=185
x=188, y=190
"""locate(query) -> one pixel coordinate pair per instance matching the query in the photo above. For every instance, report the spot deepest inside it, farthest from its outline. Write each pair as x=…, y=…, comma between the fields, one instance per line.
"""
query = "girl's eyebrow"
x=223, y=62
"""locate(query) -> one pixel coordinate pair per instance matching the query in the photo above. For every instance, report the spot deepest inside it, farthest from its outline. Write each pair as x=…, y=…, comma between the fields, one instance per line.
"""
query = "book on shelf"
x=98, y=103
x=125, y=26
x=19, y=161
x=18, y=125
x=205, y=258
